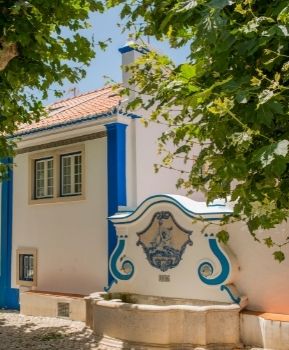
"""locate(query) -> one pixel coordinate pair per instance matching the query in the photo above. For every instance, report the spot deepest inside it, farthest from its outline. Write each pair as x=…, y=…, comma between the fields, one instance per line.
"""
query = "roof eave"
x=100, y=116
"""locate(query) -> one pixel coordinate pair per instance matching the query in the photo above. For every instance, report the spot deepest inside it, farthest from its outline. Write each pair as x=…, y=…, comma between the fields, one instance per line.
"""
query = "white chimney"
x=130, y=52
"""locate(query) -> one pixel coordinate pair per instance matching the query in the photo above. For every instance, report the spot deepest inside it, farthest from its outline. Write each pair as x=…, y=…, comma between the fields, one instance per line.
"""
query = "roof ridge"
x=75, y=105
x=83, y=94
x=99, y=101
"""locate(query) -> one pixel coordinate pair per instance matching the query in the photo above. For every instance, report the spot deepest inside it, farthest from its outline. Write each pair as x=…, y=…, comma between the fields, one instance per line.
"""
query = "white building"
x=86, y=162
x=73, y=170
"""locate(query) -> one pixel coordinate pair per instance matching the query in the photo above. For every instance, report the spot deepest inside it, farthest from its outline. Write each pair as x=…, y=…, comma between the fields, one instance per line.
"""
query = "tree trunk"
x=7, y=52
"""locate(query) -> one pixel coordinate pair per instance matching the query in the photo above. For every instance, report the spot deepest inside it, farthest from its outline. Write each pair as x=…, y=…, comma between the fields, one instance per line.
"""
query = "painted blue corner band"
x=129, y=48
x=225, y=266
x=235, y=299
x=9, y=297
x=116, y=177
x=116, y=162
x=125, y=49
x=125, y=264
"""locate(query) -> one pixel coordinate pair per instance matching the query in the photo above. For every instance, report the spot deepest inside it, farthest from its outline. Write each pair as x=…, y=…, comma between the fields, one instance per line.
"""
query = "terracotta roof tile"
x=76, y=108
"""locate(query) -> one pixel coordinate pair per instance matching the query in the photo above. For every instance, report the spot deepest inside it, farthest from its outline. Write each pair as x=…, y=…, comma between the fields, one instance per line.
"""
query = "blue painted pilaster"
x=116, y=179
x=9, y=297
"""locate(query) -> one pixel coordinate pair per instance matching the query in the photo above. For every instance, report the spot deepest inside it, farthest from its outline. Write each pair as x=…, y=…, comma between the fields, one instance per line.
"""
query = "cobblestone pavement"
x=33, y=333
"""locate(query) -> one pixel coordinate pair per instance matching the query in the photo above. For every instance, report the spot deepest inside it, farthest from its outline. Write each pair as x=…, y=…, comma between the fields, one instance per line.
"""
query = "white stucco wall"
x=184, y=280
x=258, y=276
x=71, y=237
x=264, y=280
x=142, y=154
x=142, y=151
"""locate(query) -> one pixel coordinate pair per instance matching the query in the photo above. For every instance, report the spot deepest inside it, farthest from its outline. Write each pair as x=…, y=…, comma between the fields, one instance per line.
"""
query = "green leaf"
x=284, y=15
x=223, y=236
x=232, y=87
x=188, y=71
x=279, y=256
x=219, y=4
x=269, y=242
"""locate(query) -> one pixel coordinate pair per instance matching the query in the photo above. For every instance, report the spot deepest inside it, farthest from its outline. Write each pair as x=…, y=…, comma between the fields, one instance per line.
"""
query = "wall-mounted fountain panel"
x=172, y=280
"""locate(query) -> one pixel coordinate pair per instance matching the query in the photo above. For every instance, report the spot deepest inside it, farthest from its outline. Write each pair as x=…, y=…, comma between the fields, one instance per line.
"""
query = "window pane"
x=71, y=174
x=26, y=265
x=77, y=173
x=77, y=188
x=66, y=176
x=50, y=178
x=39, y=178
x=44, y=178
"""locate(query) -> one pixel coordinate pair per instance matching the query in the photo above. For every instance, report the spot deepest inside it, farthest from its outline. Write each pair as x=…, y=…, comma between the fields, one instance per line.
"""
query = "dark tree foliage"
x=35, y=53
x=229, y=101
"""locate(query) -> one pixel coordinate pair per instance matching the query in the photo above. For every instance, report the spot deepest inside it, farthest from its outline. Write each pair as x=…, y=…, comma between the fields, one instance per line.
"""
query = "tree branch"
x=7, y=52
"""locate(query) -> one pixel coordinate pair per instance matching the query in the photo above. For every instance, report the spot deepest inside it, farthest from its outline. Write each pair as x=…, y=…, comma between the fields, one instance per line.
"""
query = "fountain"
x=171, y=284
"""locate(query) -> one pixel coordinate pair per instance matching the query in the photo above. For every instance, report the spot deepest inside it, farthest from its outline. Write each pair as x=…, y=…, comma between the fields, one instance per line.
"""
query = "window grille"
x=26, y=267
x=63, y=310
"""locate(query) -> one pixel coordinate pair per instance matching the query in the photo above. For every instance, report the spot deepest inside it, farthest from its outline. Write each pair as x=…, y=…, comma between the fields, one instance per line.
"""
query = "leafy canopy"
x=227, y=105
x=35, y=53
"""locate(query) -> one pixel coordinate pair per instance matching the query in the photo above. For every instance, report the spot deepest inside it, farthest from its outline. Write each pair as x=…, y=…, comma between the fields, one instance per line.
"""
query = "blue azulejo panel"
x=164, y=241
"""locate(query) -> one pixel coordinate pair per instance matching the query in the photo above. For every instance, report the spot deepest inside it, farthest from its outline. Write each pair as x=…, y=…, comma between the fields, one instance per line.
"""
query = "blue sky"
x=108, y=63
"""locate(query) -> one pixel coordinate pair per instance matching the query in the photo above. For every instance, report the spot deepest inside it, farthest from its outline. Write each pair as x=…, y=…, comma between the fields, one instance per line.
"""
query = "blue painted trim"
x=116, y=178
x=107, y=289
x=173, y=201
x=9, y=297
x=224, y=262
x=130, y=115
x=76, y=122
x=129, y=48
x=125, y=49
x=116, y=255
x=234, y=298
x=63, y=125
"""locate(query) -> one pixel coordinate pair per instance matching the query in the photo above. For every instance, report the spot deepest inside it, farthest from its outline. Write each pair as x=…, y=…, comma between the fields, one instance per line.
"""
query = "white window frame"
x=46, y=194
x=72, y=174
x=56, y=154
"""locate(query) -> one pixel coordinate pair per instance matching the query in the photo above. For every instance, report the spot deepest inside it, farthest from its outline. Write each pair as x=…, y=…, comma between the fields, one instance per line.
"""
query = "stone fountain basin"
x=168, y=322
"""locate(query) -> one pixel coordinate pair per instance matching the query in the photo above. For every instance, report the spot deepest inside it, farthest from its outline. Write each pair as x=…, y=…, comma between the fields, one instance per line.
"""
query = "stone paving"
x=33, y=333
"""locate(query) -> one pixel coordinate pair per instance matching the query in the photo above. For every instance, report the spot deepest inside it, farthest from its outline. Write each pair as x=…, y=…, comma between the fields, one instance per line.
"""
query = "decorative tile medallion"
x=164, y=241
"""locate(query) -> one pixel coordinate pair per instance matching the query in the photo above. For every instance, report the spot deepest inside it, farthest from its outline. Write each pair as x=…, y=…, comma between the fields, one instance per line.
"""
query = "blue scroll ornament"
x=206, y=269
x=126, y=265
x=234, y=298
x=207, y=266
